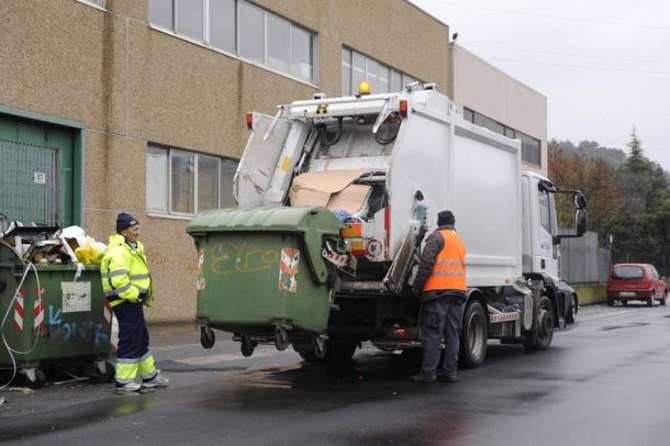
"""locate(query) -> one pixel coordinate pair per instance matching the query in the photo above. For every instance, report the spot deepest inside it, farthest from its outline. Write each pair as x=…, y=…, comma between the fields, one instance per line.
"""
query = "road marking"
x=225, y=357
x=169, y=348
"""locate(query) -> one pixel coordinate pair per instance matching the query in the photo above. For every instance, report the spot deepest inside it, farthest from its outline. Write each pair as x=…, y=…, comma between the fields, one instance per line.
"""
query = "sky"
x=604, y=65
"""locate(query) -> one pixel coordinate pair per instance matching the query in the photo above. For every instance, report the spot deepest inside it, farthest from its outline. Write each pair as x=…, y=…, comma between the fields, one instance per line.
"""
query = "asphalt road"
x=603, y=382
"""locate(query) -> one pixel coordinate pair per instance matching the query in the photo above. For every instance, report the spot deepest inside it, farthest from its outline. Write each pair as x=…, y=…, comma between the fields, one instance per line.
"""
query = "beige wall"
x=482, y=87
x=131, y=84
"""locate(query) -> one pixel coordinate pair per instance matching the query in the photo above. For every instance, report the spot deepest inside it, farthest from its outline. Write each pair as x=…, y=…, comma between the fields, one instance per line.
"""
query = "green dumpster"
x=60, y=319
x=262, y=275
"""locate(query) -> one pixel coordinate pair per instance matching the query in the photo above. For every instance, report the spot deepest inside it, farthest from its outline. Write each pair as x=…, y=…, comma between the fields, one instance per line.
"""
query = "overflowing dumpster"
x=53, y=314
x=262, y=275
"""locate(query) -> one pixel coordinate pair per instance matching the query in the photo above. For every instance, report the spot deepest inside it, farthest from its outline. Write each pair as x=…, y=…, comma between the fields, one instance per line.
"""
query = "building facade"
x=138, y=105
x=491, y=98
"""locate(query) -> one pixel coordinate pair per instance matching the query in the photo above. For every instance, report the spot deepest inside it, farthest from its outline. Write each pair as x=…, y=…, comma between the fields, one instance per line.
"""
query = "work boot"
x=447, y=377
x=423, y=378
x=157, y=381
x=127, y=387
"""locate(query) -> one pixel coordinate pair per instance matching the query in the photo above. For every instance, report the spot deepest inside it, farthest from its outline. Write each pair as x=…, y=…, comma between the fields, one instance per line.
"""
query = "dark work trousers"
x=133, y=333
x=440, y=319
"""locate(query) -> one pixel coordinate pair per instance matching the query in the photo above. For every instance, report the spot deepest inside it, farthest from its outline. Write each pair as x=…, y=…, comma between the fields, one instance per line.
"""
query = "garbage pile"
x=51, y=245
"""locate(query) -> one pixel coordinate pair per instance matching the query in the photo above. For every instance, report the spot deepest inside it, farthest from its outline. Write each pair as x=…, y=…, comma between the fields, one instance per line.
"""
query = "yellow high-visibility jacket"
x=125, y=272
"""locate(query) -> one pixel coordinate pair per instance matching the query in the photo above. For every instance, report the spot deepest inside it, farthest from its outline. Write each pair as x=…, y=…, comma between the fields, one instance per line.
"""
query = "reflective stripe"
x=124, y=288
x=110, y=294
x=118, y=272
x=139, y=276
x=448, y=273
x=147, y=367
x=143, y=290
x=448, y=262
x=128, y=360
x=146, y=355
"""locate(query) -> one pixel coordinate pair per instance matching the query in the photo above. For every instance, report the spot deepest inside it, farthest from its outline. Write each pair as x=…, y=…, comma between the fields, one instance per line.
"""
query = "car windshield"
x=628, y=272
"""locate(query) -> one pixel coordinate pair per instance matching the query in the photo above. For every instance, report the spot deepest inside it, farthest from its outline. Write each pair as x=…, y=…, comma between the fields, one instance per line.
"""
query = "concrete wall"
x=484, y=88
x=132, y=84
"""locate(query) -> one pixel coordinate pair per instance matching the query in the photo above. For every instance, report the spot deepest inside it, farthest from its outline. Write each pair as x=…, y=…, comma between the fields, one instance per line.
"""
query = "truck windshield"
x=357, y=140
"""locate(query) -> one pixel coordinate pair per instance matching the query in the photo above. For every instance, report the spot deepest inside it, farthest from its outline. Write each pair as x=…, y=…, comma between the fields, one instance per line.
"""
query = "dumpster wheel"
x=35, y=378
x=247, y=346
x=281, y=338
x=207, y=337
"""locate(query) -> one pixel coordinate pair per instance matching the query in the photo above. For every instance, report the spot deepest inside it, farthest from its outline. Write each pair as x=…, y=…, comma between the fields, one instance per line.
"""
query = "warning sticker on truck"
x=288, y=269
x=76, y=296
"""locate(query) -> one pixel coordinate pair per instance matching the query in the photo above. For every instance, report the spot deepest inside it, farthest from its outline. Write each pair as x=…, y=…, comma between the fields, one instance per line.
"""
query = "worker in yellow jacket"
x=126, y=281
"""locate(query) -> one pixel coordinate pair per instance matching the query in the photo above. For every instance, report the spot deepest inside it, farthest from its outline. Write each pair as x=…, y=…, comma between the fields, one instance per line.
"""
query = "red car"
x=635, y=281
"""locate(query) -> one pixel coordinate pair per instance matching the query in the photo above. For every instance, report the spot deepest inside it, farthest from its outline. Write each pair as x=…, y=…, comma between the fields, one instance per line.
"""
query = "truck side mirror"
x=580, y=200
x=580, y=221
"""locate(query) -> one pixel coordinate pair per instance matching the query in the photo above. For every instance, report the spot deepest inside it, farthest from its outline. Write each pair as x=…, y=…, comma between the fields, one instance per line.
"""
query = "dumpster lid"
x=274, y=219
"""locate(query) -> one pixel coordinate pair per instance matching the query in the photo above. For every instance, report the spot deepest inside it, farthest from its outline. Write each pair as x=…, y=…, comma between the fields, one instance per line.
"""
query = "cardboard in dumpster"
x=332, y=189
x=351, y=199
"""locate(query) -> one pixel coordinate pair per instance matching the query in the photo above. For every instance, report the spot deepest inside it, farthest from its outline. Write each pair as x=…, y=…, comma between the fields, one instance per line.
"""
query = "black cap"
x=446, y=218
x=125, y=221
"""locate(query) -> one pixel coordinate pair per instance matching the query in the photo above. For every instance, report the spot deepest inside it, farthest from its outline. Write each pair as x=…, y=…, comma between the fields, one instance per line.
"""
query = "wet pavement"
x=603, y=382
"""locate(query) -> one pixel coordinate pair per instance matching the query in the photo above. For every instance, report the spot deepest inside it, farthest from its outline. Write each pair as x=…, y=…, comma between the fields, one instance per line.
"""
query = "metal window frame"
x=195, y=186
x=169, y=150
x=167, y=174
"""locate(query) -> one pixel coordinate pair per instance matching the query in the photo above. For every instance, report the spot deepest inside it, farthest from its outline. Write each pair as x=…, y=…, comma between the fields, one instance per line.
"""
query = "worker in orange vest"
x=441, y=282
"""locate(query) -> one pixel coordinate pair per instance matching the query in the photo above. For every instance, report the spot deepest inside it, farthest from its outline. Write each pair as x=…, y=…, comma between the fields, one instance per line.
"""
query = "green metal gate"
x=30, y=183
x=38, y=171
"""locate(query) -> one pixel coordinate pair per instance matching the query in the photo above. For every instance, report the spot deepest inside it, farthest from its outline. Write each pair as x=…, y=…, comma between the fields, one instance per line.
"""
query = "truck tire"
x=650, y=302
x=307, y=355
x=338, y=351
x=474, y=336
x=665, y=297
x=541, y=339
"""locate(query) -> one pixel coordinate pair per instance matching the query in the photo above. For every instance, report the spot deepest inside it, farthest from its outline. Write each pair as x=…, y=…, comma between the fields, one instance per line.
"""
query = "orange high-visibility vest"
x=449, y=269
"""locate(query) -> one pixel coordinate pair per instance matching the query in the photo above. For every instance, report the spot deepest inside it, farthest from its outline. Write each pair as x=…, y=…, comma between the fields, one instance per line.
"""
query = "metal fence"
x=29, y=183
x=583, y=260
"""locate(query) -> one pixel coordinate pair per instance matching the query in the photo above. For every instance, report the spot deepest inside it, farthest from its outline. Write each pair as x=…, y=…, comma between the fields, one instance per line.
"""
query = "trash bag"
x=91, y=253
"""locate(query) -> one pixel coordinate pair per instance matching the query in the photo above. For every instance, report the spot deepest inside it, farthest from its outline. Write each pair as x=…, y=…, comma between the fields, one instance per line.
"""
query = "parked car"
x=635, y=281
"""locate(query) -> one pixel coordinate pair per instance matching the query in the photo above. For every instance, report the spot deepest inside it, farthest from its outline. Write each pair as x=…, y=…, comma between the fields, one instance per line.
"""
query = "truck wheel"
x=474, y=336
x=571, y=317
x=307, y=355
x=665, y=297
x=541, y=339
x=650, y=302
x=610, y=302
x=340, y=350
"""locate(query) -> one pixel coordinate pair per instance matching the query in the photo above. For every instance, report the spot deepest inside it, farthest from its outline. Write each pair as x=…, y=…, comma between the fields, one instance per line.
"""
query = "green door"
x=36, y=171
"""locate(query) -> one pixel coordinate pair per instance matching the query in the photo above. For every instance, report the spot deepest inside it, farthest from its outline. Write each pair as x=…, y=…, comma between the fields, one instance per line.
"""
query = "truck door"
x=260, y=159
x=546, y=254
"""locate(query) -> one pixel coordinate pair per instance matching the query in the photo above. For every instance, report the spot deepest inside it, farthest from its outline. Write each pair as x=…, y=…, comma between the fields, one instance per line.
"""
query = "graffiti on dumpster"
x=243, y=257
x=86, y=330
x=288, y=269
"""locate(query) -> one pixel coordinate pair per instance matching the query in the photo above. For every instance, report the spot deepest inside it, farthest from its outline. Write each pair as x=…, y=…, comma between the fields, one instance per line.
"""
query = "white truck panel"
x=471, y=171
x=487, y=204
x=259, y=160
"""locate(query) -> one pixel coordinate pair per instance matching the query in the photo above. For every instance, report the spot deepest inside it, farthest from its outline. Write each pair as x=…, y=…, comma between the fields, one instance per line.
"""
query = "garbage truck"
x=335, y=198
